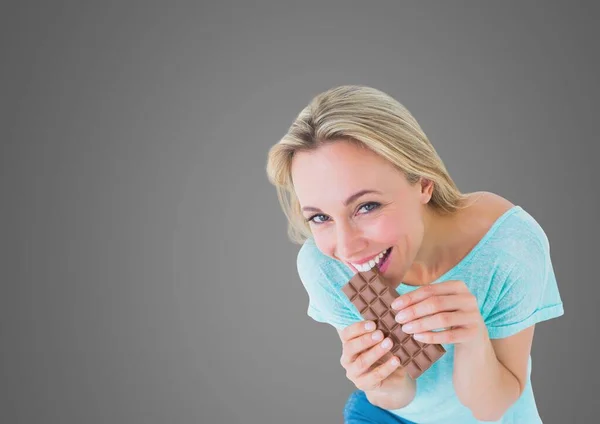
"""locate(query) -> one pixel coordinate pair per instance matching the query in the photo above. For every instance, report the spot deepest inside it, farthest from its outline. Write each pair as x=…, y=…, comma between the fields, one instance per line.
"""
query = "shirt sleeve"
x=529, y=294
x=323, y=280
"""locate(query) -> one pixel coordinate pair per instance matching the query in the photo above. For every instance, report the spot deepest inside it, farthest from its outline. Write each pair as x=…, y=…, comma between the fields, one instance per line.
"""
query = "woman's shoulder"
x=478, y=221
x=487, y=208
x=504, y=225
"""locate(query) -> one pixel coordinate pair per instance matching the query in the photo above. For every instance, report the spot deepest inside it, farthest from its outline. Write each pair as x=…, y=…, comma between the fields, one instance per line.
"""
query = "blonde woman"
x=362, y=186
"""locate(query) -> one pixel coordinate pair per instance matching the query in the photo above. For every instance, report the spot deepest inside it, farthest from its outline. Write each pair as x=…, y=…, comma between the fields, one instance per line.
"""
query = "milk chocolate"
x=372, y=295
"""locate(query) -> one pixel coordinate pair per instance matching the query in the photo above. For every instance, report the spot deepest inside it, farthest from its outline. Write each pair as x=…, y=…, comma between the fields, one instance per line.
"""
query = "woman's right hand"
x=368, y=362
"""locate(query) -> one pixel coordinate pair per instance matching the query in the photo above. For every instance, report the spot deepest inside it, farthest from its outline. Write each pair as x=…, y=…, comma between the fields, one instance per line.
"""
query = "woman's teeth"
x=368, y=265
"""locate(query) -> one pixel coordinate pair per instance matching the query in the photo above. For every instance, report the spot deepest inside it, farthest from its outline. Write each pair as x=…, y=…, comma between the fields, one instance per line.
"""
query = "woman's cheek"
x=385, y=229
x=324, y=243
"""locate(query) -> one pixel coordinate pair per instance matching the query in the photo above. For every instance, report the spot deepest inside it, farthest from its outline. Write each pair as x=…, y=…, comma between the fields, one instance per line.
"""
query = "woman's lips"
x=385, y=258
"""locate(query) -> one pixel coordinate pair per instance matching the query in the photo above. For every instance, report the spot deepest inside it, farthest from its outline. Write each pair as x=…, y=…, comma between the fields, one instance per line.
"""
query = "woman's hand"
x=372, y=368
x=449, y=306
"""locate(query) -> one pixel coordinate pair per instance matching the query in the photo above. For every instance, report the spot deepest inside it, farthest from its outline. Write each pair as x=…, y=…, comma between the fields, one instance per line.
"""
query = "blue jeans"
x=358, y=410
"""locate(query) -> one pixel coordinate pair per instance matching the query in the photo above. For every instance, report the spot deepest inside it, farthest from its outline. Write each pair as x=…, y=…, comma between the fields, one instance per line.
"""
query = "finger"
x=453, y=335
x=439, y=321
x=356, y=346
x=434, y=305
x=422, y=293
x=356, y=329
x=386, y=357
x=365, y=360
x=373, y=380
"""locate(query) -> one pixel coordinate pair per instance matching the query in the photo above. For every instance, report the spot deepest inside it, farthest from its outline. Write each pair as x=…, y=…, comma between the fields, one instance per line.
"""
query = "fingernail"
x=401, y=316
x=396, y=304
x=386, y=343
x=378, y=335
x=395, y=361
x=370, y=326
x=408, y=327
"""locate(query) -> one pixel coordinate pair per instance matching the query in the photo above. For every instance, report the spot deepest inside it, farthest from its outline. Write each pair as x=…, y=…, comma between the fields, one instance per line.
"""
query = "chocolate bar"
x=373, y=298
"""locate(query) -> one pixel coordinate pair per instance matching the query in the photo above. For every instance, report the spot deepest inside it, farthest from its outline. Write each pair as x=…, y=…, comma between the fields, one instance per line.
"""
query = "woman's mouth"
x=381, y=261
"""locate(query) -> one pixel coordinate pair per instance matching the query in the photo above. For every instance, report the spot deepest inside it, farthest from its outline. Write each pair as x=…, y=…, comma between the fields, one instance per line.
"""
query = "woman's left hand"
x=449, y=306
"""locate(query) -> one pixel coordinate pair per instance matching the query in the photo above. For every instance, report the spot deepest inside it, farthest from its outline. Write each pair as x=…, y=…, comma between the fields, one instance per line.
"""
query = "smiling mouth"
x=377, y=261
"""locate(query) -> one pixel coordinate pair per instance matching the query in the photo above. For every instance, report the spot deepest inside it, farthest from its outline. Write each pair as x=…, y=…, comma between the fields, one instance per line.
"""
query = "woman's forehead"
x=340, y=158
x=332, y=174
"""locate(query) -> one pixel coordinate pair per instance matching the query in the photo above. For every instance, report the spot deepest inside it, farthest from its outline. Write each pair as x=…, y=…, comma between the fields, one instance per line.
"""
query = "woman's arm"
x=397, y=391
x=490, y=375
x=403, y=394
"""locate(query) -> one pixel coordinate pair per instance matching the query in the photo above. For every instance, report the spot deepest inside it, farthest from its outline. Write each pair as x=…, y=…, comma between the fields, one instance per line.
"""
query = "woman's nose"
x=349, y=242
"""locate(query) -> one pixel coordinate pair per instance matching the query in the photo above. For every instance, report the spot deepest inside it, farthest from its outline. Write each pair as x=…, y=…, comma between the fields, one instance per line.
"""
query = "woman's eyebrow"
x=347, y=201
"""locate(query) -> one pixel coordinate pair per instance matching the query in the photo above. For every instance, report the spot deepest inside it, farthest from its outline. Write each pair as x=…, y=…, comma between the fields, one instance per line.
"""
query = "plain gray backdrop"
x=146, y=272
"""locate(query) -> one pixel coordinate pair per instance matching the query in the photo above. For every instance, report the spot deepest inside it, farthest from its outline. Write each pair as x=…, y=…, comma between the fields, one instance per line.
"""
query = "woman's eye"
x=370, y=206
x=313, y=219
x=321, y=219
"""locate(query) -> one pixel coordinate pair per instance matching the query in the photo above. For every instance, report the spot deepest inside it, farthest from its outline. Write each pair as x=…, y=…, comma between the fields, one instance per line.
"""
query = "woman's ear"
x=426, y=189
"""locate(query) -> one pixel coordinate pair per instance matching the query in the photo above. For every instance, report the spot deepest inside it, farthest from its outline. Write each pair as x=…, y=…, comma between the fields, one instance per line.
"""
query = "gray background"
x=146, y=274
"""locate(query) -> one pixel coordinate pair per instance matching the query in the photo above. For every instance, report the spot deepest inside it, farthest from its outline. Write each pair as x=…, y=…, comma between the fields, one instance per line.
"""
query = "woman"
x=362, y=186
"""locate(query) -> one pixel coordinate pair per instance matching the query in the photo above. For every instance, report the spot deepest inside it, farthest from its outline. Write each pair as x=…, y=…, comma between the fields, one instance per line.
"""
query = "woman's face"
x=354, y=229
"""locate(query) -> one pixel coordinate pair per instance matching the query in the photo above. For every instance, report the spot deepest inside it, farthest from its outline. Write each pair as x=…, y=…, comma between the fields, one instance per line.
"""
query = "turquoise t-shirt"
x=510, y=273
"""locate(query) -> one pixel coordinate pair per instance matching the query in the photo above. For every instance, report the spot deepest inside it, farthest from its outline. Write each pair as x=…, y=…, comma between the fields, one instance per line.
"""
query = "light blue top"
x=510, y=273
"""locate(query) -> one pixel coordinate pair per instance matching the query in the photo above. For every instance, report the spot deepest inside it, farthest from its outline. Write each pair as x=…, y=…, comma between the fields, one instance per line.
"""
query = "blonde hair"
x=371, y=119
